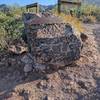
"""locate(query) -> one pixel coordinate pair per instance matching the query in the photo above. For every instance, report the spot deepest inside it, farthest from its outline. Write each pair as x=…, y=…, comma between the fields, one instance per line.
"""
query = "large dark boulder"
x=52, y=43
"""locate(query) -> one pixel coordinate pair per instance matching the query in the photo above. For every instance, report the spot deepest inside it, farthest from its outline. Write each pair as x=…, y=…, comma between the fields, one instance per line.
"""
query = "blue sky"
x=25, y=2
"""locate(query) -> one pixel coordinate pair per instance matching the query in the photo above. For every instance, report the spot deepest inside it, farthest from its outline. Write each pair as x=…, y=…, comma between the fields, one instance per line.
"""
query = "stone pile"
x=52, y=44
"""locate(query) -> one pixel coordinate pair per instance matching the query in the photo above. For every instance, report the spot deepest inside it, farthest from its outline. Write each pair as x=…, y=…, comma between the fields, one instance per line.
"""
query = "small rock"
x=48, y=98
x=97, y=73
x=27, y=68
x=17, y=49
x=26, y=59
x=82, y=85
x=84, y=37
x=45, y=98
x=40, y=67
x=26, y=74
x=33, y=70
x=12, y=61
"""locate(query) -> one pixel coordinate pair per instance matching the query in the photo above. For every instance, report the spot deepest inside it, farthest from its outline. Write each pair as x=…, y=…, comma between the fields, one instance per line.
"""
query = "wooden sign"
x=67, y=3
x=35, y=5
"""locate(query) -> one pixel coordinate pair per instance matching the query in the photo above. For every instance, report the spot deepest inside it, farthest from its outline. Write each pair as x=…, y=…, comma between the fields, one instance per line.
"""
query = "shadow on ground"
x=12, y=75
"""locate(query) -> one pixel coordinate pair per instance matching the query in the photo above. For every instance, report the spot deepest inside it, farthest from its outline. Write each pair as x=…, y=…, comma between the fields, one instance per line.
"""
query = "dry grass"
x=72, y=21
x=88, y=19
x=92, y=18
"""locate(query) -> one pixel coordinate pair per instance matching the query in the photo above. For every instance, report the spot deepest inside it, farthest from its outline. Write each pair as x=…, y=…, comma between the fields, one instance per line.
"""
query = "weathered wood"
x=69, y=2
x=34, y=5
x=65, y=2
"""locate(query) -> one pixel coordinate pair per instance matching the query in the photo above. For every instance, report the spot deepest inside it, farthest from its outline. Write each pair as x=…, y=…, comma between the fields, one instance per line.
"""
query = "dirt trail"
x=80, y=81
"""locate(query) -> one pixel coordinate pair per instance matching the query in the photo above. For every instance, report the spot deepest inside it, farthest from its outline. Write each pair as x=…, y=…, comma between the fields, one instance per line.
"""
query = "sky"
x=25, y=2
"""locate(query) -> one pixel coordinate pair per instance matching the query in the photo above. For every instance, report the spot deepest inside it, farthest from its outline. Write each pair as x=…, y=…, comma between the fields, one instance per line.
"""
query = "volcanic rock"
x=51, y=41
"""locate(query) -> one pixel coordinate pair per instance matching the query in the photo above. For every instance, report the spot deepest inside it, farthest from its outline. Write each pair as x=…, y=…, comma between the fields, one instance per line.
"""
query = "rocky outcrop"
x=52, y=44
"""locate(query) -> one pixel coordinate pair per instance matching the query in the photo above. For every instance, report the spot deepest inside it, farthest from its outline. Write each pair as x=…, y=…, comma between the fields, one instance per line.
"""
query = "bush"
x=88, y=19
x=98, y=17
x=87, y=11
x=90, y=12
x=11, y=27
x=3, y=42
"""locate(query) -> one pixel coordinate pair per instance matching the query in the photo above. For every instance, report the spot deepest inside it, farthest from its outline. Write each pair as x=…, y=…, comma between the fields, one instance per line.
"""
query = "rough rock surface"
x=18, y=47
x=52, y=45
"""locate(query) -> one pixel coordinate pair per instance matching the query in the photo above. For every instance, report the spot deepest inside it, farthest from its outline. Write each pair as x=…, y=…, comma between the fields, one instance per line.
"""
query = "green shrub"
x=11, y=27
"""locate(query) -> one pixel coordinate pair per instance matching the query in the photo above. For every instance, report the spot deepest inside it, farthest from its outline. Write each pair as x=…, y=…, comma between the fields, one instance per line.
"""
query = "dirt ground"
x=79, y=81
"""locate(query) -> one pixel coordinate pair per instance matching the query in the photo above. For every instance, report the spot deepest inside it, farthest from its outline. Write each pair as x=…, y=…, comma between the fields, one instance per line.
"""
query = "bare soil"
x=79, y=81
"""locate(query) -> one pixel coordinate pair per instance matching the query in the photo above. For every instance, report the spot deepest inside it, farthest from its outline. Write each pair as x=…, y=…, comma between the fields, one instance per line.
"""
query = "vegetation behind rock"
x=11, y=25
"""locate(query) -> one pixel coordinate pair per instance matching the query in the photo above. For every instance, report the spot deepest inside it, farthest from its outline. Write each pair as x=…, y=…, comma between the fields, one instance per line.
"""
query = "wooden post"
x=37, y=8
x=59, y=6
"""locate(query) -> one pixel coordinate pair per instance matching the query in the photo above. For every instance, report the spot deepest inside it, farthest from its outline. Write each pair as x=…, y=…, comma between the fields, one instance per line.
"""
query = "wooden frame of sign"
x=34, y=5
x=65, y=2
